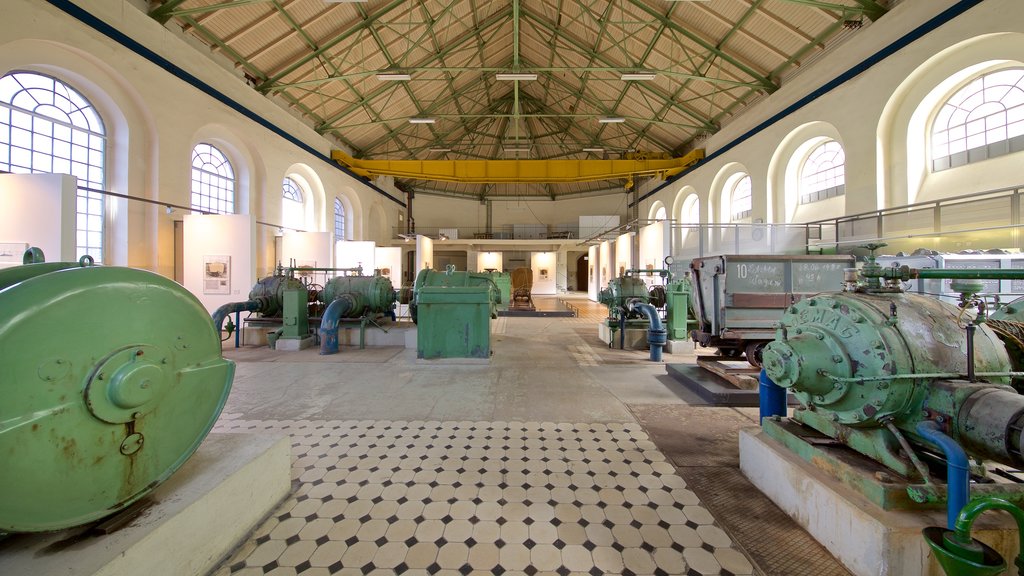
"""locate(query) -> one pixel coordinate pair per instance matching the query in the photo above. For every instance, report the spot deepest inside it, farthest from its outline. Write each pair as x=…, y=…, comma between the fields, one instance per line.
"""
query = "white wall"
x=230, y=235
x=154, y=119
x=544, y=272
x=607, y=270
x=307, y=249
x=424, y=254
x=623, y=255
x=356, y=253
x=485, y=260
x=389, y=262
x=443, y=212
x=39, y=210
x=594, y=258
x=655, y=245
x=870, y=115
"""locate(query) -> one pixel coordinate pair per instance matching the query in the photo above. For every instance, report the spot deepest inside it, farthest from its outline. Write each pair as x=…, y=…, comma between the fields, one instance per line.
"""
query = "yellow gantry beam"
x=513, y=171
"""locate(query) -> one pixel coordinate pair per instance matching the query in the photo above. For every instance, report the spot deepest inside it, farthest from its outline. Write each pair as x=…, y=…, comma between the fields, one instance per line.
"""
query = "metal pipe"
x=972, y=510
x=656, y=334
x=958, y=473
x=922, y=376
x=771, y=397
x=944, y=273
x=970, y=352
x=221, y=313
x=331, y=321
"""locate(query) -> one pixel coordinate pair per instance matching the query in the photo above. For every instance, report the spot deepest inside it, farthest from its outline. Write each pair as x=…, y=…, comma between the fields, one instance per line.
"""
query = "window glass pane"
x=213, y=181
x=824, y=169
x=978, y=114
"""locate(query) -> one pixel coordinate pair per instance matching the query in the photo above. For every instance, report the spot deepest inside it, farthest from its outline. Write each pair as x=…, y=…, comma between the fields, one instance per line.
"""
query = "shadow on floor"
x=702, y=442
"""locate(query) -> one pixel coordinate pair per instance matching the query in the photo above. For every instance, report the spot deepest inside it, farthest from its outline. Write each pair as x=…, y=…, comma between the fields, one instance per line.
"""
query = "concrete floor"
x=543, y=371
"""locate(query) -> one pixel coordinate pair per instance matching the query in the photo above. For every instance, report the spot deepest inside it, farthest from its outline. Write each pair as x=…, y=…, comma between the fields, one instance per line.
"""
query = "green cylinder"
x=269, y=291
x=373, y=293
x=111, y=379
x=831, y=337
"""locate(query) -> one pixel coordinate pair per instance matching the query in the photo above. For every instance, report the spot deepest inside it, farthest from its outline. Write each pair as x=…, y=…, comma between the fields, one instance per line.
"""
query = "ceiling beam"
x=766, y=84
x=868, y=8
x=345, y=33
x=163, y=13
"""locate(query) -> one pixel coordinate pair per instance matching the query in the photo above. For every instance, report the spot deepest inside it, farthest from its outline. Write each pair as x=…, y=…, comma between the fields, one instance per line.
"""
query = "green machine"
x=679, y=319
x=356, y=298
x=266, y=298
x=112, y=377
x=894, y=375
x=453, y=311
x=503, y=280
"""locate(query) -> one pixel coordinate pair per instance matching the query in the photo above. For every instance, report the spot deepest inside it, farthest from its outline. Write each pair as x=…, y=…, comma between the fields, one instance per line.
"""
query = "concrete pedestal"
x=196, y=520
x=293, y=344
x=636, y=338
x=868, y=540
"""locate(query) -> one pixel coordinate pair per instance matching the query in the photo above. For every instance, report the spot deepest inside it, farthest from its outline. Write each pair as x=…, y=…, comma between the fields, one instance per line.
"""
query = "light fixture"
x=344, y=1
x=638, y=76
x=516, y=150
x=169, y=209
x=393, y=77
x=440, y=150
x=515, y=76
x=594, y=150
x=611, y=120
x=422, y=120
x=442, y=237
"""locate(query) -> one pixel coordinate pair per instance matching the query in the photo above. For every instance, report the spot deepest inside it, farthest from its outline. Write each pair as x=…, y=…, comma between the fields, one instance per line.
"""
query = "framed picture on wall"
x=216, y=274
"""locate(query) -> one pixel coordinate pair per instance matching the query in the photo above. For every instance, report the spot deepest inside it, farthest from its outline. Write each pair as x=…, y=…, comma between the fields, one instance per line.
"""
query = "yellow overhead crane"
x=520, y=171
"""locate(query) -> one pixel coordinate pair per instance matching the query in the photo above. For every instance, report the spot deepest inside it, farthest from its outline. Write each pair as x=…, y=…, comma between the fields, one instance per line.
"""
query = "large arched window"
x=48, y=127
x=823, y=174
x=982, y=120
x=213, y=181
x=293, y=206
x=740, y=197
x=339, y=220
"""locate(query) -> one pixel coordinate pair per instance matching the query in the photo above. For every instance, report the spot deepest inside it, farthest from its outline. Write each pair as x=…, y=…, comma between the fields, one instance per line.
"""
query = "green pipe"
x=975, y=508
x=946, y=273
x=922, y=376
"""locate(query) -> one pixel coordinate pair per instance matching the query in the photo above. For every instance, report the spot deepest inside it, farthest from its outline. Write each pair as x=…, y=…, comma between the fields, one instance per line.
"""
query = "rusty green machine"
x=359, y=299
x=279, y=296
x=112, y=378
x=917, y=385
x=453, y=312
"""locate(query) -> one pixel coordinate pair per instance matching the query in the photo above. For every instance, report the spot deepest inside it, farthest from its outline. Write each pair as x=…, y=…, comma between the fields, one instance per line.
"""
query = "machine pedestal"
x=195, y=521
x=865, y=538
x=294, y=343
x=636, y=338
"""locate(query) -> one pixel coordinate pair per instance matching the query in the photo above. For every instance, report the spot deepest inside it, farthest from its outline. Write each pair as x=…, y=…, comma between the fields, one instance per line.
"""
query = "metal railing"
x=504, y=232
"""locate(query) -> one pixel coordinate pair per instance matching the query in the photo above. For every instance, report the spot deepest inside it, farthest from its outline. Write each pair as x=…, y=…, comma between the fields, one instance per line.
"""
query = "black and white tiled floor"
x=462, y=498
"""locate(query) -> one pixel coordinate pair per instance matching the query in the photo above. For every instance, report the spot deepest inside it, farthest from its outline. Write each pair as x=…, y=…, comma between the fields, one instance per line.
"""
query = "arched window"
x=740, y=197
x=982, y=120
x=339, y=220
x=48, y=127
x=293, y=208
x=661, y=214
x=213, y=181
x=823, y=174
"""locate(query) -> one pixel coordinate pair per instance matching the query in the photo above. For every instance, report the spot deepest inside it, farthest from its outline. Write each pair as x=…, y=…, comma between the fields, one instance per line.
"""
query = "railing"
x=980, y=221
x=504, y=232
x=691, y=241
x=983, y=220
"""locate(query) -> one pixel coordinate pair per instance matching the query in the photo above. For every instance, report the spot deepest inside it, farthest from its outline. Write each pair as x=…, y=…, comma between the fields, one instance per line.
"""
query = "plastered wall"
x=154, y=119
x=870, y=115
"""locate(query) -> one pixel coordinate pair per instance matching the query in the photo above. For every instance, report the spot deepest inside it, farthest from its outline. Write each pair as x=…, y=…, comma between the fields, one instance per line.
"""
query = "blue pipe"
x=656, y=334
x=221, y=313
x=331, y=321
x=771, y=397
x=958, y=473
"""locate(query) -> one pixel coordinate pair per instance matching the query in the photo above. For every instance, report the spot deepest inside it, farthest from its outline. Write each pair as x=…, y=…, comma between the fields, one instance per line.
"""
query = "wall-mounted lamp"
x=169, y=209
x=442, y=236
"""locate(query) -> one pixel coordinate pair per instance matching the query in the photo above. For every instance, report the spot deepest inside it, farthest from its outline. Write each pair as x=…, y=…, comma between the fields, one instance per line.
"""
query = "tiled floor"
x=430, y=497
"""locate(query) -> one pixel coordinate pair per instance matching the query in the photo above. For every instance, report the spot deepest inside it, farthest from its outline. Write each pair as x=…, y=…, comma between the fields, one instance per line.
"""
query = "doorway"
x=583, y=273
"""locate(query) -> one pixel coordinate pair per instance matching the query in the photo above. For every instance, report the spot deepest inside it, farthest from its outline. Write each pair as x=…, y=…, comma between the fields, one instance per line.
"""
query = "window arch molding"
x=245, y=163
x=721, y=192
x=785, y=167
x=658, y=211
x=319, y=216
x=130, y=129
x=903, y=156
